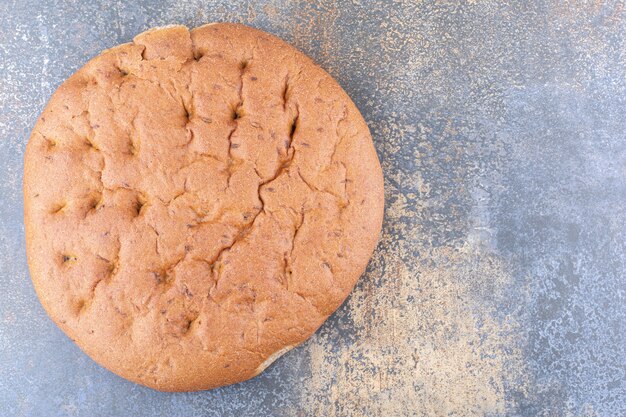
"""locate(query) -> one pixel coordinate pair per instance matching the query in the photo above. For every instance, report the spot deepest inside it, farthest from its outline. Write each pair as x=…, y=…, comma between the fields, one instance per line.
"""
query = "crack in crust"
x=284, y=165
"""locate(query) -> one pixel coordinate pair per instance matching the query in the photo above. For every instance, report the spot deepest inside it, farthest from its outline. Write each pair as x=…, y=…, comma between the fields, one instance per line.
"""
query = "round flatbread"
x=197, y=202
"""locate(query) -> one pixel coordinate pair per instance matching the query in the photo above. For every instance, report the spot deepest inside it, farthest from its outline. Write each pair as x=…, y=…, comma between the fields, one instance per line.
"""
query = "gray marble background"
x=498, y=287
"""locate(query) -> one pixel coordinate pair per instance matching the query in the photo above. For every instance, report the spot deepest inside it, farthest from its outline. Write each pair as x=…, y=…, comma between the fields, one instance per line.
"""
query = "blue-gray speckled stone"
x=499, y=284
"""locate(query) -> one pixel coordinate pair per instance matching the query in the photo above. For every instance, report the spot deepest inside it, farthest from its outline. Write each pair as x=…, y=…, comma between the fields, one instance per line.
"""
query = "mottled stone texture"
x=498, y=286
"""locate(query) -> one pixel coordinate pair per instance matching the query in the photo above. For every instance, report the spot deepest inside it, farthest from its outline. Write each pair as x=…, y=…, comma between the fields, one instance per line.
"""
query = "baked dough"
x=197, y=202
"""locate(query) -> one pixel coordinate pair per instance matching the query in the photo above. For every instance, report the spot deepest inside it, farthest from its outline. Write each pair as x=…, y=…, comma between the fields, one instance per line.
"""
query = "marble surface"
x=498, y=287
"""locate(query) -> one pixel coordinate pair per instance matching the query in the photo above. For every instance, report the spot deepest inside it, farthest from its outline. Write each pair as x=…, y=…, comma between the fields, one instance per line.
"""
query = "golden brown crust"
x=196, y=201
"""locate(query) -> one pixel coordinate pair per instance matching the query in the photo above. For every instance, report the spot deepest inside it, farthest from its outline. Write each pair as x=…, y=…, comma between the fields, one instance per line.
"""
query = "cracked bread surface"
x=197, y=202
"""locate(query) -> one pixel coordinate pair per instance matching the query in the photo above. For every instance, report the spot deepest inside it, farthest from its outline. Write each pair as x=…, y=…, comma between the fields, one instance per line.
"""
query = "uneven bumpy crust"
x=198, y=202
